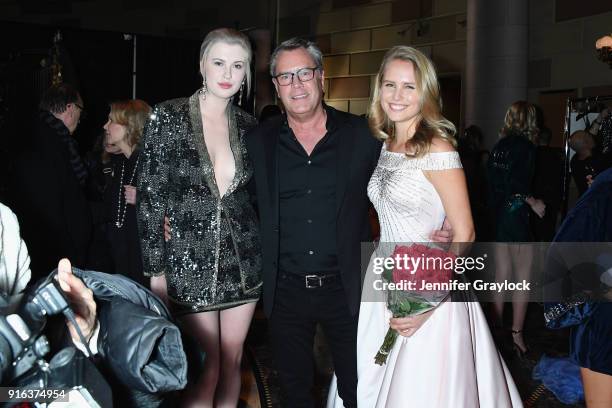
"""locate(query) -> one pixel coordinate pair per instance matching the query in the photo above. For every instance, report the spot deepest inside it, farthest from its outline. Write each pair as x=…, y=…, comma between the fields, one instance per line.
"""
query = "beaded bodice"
x=408, y=206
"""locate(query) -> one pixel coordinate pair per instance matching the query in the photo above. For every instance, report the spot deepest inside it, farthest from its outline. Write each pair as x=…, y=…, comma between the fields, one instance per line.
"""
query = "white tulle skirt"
x=451, y=361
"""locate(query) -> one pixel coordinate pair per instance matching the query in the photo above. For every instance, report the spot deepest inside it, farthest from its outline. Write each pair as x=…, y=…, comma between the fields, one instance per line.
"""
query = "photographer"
x=14, y=259
x=138, y=349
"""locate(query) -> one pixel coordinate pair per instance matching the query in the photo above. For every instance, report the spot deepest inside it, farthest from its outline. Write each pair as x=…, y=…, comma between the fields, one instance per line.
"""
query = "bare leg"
x=503, y=270
x=522, y=258
x=204, y=328
x=597, y=388
x=235, y=323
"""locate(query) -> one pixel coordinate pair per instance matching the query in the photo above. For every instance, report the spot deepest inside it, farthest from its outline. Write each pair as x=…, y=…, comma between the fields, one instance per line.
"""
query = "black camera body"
x=23, y=348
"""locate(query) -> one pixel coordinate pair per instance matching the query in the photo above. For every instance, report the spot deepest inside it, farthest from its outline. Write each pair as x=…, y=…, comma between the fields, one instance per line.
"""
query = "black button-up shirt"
x=307, y=186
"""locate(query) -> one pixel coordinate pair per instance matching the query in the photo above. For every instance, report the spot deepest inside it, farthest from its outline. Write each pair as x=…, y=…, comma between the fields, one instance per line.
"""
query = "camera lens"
x=62, y=358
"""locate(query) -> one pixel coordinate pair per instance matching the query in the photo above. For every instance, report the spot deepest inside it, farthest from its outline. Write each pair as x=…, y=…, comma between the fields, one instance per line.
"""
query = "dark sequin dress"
x=213, y=260
x=510, y=175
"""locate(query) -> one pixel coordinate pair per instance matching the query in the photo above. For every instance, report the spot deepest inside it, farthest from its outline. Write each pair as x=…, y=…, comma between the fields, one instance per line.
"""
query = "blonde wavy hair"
x=521, y=118
x=430, y=122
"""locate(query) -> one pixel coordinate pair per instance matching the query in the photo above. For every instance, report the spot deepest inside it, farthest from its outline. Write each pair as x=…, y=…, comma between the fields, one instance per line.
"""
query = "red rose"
x=422, y=263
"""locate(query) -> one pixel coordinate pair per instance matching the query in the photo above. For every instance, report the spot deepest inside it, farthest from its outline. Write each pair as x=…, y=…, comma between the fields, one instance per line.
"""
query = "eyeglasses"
x=304, y=75
x=82, y=108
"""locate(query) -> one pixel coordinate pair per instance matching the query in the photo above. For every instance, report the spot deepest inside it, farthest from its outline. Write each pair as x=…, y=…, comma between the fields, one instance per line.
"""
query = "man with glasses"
x=48, y=185
x=311, y=169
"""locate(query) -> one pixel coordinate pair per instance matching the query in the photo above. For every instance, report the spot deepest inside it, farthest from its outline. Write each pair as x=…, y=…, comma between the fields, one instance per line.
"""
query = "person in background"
x=601, y=130
x=48, y=187
x=510, y=172
x=14, y=259
x=269, y=112
x=587, y=310
x=123, y=132
x=474, y=159
x=112, y=329
x=584, y=165
x=547, y=186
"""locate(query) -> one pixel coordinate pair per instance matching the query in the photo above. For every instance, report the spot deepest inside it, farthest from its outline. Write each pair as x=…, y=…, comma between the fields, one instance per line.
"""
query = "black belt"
x=313, y=281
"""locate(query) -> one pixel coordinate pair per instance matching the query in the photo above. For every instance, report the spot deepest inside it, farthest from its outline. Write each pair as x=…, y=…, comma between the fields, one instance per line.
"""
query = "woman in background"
x=510, y=171
x=122, y=134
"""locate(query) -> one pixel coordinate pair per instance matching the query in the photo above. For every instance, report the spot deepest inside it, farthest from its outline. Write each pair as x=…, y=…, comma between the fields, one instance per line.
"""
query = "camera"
x=23, y=347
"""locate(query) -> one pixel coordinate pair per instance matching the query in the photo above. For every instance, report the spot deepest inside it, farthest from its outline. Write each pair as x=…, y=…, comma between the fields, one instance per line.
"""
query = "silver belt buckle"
x=309, y=286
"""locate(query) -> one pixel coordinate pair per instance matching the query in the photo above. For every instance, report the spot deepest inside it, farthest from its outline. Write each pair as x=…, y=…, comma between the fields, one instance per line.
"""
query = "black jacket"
x=52, y=207
x=358, y=153
x=137, y=339
x=211, y=234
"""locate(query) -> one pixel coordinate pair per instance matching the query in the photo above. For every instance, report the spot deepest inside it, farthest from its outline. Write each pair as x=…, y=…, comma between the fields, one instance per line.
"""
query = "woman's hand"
x=537, y=206
x=130, y=194
x=407, y=326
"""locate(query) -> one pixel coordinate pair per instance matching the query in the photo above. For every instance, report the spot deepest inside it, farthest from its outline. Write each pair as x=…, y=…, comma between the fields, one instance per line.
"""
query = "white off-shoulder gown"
x=451, y=361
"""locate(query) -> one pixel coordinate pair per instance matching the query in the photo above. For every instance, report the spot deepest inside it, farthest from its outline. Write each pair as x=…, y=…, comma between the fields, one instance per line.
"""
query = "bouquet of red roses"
x=422, y=269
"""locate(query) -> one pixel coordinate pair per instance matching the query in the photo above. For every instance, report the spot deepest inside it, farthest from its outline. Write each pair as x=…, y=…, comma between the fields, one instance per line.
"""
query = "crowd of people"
x=212, y=211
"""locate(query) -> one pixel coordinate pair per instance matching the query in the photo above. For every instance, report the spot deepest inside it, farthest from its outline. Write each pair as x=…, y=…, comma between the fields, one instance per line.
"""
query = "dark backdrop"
x=98, y=63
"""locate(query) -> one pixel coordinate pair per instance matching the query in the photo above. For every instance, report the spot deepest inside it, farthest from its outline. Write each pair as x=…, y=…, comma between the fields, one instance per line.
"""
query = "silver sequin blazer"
x=210, y=234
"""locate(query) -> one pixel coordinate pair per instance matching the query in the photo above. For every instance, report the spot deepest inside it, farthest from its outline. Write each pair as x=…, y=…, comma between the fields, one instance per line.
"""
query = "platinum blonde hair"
x=231, y=37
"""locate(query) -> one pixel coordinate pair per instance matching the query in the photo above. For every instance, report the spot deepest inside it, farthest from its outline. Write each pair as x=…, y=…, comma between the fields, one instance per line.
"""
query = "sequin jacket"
x=176, y=178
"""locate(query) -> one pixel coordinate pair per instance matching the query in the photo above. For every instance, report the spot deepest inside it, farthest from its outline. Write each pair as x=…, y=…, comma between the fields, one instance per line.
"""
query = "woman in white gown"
x=445, y=357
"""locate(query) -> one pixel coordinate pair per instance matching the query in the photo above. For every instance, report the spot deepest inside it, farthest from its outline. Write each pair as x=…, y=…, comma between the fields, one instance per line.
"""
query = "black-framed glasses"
x=303, y=74
x=82, y=108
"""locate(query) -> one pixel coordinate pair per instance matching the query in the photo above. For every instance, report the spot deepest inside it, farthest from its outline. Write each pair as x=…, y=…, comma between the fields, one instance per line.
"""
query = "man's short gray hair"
x=294, y=44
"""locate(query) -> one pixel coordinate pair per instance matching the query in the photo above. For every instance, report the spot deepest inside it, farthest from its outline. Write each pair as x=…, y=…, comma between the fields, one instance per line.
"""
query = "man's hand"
x=445, y=234
x=130, y=194
x=81, y=300
x=407, y=326
x=166, y=229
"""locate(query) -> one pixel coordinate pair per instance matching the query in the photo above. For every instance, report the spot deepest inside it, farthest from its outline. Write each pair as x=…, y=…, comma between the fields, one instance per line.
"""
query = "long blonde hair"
x=521, y=118
x=430, y=121
x=231, y=37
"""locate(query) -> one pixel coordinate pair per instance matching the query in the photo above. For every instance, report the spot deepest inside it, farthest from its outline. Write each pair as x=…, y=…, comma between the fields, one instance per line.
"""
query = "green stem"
x=385, y=349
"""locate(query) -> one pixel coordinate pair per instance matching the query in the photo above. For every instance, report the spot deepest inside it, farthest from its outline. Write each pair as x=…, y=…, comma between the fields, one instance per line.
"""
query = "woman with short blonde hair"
x=122, y=133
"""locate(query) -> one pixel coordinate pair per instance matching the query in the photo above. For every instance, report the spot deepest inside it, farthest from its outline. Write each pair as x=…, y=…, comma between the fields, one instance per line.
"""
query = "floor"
x=261, y=387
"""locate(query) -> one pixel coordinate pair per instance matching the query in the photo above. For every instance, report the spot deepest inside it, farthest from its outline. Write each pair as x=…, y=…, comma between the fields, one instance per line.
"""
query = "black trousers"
x=295, y=314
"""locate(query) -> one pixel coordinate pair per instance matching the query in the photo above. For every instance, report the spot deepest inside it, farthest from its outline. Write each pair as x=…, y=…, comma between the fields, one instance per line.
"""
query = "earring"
x=204, y=88
x=240, y=94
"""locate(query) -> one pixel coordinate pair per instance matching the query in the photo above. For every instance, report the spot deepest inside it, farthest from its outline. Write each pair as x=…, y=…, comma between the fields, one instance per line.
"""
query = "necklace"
x=121, y=203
